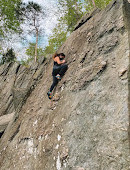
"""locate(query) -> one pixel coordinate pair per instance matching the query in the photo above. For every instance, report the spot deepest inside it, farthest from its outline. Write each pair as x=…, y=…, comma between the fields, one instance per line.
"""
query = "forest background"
x=30, y=29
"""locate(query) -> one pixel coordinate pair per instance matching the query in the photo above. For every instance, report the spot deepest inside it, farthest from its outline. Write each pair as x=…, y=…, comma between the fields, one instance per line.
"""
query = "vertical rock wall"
x=85, y=126
x=127, y=15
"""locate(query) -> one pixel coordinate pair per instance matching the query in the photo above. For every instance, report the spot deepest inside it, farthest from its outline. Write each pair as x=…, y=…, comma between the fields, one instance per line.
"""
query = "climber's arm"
x=58, y=60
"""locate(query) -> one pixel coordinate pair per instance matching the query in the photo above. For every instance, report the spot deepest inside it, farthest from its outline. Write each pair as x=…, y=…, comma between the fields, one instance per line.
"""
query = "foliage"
x=9, y=16
x=31, y=51
x=9, y=56
x=56, y=40
x=98, y=3
x=1, y=50
x=26, y=62
x=102, y=3
x=33, y=14
x=72, y=10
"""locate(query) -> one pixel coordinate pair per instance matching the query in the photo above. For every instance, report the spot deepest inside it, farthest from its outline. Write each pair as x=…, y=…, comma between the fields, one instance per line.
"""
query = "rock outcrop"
x=85, y=126
x=17, y=82
x=4, y=121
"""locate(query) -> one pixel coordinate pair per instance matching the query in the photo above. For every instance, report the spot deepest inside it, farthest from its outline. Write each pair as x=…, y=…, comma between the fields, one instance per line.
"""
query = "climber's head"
x=61, y=55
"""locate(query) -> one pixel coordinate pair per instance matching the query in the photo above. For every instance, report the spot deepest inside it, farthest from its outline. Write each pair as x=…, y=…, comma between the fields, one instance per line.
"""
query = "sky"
x=51, y=7
x=48, y=25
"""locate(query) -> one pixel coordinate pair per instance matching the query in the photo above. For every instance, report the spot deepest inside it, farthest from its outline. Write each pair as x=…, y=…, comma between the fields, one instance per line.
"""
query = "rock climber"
x=59, y=69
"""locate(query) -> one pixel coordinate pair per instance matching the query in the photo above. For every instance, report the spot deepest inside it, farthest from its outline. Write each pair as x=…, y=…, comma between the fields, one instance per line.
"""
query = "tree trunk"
x=36, y=44
x=93, y=3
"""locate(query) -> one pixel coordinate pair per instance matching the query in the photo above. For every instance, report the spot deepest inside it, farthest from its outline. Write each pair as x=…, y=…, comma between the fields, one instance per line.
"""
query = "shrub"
x=9, y=56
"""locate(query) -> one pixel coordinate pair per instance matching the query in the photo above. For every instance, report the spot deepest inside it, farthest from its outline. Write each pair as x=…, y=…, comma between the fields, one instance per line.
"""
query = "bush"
x=9, y=56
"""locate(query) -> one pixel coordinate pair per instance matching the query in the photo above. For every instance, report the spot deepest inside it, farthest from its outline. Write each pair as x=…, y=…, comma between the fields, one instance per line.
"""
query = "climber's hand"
x=63, y=61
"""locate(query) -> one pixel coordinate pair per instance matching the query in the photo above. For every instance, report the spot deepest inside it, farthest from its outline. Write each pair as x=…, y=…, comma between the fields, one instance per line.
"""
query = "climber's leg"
x=55, y=82
x=62, y=71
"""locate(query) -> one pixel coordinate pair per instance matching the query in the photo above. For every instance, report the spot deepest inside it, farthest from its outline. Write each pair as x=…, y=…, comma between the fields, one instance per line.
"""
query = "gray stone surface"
x=4, y=121
x=16, y=83
x=86, y=126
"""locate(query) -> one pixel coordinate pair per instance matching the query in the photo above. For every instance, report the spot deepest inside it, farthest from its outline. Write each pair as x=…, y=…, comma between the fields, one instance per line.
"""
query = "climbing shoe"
x=49, y=95
x=58, y=77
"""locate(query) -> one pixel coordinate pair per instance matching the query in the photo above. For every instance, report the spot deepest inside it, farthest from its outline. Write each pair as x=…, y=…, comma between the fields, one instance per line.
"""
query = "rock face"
x=85, y=126
x=4, y=121
x=17, y=82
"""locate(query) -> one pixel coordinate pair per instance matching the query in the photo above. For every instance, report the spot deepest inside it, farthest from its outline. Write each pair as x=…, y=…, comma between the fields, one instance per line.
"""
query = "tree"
x=56, y=40
x=33, y=14
x=9, y=56
x=98, y=3
x=9, y=16
x=72, y=12
x=31, y=50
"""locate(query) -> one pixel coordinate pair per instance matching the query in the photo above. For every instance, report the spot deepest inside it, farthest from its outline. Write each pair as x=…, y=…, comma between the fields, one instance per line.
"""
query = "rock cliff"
x=86, y=125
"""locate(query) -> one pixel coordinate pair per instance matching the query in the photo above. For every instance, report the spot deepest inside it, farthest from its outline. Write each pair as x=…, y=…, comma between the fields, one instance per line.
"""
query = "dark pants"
x=58, y=70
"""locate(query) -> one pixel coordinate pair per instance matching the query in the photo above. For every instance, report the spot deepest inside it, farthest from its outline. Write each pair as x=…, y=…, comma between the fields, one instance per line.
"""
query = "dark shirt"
x=56, y=65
